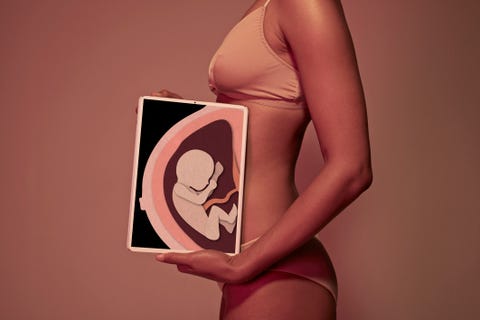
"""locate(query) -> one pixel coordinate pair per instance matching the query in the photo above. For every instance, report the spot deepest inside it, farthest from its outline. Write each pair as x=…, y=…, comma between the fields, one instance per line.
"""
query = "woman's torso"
x=277, y=115
x=274, y=138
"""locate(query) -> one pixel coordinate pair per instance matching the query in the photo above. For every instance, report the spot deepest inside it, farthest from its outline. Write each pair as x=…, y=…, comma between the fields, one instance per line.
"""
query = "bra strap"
x=266, y=3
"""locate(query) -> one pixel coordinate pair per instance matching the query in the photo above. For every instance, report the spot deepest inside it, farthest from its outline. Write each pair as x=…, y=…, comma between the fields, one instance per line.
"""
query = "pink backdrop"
x=70, y=76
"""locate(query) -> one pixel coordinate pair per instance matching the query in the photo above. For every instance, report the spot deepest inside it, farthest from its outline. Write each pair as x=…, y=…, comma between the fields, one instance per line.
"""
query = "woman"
x=289, y=62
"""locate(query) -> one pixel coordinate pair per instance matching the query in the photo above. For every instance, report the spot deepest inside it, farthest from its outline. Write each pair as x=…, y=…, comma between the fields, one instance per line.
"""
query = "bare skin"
x=320, y=43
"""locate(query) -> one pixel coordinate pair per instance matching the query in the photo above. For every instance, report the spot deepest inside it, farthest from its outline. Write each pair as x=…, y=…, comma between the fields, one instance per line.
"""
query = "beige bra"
x=245, y=67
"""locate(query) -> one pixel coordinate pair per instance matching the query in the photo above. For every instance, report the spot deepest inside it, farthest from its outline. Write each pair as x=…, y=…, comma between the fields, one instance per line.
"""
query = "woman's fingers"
x=184, y=268
x=182, y=260
x=164, y=93
x=174, y=258
x=209, y=264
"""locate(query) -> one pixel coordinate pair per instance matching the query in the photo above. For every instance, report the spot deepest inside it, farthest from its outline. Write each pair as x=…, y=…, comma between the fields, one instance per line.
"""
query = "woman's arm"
x=320, y=42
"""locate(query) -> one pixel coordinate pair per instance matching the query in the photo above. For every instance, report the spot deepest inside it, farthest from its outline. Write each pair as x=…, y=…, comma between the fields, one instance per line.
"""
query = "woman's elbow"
x=364, y=177
x=359, y=177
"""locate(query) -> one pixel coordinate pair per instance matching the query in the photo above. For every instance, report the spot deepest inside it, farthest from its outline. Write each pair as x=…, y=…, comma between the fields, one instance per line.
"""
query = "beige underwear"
x=309, y=262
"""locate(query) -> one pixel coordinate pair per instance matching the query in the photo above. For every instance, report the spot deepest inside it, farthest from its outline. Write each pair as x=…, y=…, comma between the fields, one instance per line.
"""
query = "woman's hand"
x=164, y=93
x=210, y=264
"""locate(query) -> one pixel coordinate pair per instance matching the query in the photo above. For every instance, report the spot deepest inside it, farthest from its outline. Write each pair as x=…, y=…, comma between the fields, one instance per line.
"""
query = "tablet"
x=188, y=171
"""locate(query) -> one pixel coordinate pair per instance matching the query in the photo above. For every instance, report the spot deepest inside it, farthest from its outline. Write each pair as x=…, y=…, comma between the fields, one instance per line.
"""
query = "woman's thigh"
x=277, y=295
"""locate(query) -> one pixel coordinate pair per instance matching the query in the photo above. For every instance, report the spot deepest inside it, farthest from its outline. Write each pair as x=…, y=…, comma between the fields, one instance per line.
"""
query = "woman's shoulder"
x=309, y=17
x=303, y=4
x=298, y=9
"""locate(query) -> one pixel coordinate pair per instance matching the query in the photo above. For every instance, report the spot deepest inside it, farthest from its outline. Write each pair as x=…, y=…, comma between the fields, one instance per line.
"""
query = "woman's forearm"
x=335, y=187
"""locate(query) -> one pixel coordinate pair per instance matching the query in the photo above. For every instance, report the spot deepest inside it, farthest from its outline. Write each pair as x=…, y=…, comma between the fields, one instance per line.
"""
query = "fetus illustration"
x=197, y=176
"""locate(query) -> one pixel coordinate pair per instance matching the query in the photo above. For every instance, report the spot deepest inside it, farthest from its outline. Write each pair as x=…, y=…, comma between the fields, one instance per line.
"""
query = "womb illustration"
x=187, y=183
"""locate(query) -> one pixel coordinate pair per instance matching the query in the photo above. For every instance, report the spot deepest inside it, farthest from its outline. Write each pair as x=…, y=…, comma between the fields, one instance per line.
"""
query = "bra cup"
x=247, y=66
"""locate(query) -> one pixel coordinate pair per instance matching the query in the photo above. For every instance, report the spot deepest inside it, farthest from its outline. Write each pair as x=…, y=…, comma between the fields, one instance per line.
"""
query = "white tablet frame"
x=170, y=244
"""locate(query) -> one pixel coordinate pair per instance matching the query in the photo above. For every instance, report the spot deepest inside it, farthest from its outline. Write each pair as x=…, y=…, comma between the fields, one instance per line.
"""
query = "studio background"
x=70, y=76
